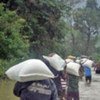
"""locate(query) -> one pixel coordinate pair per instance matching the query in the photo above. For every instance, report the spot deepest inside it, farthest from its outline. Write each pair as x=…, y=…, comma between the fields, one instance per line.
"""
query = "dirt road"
x=91, y=92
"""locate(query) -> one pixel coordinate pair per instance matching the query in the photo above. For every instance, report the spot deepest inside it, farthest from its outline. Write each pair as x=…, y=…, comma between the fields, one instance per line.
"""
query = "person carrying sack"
x=36, y=90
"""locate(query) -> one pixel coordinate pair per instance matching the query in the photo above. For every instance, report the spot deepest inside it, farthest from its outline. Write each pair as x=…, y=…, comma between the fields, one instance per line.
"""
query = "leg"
x=69, y=96
x=86, y=79
x=89, y=79
x=76, y=96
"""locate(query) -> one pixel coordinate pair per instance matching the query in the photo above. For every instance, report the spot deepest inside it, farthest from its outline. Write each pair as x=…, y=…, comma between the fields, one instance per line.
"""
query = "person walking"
x=73, y=76
x=73, y=88
x=36, y=90
x=88, y=74
x=58, y=76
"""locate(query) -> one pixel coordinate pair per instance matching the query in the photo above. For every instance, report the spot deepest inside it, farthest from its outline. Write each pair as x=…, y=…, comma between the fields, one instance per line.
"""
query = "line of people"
x=63, y=87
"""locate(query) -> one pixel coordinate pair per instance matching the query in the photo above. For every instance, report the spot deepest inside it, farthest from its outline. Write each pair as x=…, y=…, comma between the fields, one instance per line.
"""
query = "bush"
x=12, y=43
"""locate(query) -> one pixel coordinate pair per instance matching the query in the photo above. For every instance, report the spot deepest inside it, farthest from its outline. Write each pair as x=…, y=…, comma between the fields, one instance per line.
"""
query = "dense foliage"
x=44, y=20
x=12, y=43
x=87, y=22
x=32, y=28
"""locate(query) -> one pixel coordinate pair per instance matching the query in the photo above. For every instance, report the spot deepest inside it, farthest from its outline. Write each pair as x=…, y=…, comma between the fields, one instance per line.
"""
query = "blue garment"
x=87, y=71
x=36, y=90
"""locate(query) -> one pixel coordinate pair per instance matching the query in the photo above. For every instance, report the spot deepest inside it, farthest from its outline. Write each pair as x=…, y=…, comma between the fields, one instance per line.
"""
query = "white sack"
x=83, y=60
x=88, y=63
x=68, y=60
x=29, y=70
x=73, y=68
x=56, y=62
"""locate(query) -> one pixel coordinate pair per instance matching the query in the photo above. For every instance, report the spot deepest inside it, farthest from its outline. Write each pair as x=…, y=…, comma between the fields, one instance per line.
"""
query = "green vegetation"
x=32, y=28
x=12, y=43
x=6, y=87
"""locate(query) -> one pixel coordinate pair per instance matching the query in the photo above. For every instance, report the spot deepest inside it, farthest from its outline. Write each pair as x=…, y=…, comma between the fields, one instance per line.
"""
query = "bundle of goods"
x=73, y=68
x=56, y=62
x=87, y=62
x=29, y=70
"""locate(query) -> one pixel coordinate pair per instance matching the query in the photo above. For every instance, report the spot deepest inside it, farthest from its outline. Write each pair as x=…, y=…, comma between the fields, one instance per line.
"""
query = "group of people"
x=63, y=87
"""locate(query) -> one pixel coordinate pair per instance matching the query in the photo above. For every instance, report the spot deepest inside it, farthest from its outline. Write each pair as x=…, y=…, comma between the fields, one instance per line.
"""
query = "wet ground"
x=90, y=92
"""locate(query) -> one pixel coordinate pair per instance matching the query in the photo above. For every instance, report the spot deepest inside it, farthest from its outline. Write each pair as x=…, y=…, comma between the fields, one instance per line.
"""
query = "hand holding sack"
x=29, y=70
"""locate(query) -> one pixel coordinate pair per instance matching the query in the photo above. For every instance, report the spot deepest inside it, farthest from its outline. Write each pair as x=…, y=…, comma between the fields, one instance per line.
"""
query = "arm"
x=54, y=95
x=19, y=86
x=17, y=89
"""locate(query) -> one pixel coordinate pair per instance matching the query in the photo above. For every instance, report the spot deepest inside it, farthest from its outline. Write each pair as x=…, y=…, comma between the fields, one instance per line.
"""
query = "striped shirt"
x=63, y=83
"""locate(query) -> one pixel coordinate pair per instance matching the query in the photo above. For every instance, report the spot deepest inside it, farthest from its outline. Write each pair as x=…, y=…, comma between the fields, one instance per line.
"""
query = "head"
x=81, y=71
x=64, y=72
x=71, y=57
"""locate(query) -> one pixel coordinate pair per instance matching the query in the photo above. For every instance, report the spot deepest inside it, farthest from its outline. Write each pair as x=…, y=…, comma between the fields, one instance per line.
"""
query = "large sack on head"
x=73, y=68
x=56, y=62
x=29, y=70
x=83, y=60
x=88, y=63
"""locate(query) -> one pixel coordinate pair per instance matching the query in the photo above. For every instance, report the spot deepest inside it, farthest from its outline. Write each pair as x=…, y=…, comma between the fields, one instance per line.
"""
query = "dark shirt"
x=58, y=75
x=36, y=90
x=73, y=83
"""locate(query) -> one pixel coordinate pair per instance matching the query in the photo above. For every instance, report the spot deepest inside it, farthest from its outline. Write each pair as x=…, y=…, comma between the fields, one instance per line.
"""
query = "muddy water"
x=6, y=90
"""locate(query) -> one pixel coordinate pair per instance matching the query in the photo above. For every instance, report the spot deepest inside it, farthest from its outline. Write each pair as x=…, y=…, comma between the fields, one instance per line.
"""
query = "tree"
x=12, y=43
x=87, y=22
x=92, y=4
x=44, y=19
